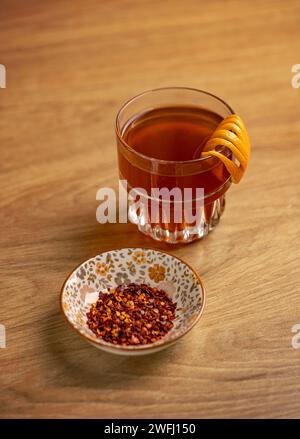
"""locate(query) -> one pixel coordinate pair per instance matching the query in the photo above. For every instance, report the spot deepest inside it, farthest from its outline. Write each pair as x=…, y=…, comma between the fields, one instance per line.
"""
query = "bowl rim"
x=150, y=346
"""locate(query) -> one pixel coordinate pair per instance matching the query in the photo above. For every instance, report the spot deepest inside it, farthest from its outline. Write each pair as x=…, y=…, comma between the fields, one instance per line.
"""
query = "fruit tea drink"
x=160, y=147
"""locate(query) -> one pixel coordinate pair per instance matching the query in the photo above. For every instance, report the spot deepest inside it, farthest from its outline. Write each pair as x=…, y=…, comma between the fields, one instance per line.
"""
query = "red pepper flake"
x=132, y=315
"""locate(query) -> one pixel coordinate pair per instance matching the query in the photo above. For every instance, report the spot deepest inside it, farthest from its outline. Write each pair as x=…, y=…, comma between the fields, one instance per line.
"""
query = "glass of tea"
x=160, y=136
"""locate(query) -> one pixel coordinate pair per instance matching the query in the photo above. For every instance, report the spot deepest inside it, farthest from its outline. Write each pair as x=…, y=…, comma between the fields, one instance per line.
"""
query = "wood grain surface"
x=70, y=65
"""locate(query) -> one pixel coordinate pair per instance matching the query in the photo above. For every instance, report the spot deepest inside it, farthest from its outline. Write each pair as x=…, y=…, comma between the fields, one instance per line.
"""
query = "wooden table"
x=69, y=68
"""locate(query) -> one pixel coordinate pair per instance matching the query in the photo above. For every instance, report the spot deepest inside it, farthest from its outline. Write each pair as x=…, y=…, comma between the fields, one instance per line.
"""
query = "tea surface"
x=171, y=133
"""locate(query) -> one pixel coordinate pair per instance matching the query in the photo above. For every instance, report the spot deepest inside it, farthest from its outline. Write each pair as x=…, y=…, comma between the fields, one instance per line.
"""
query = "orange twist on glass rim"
x=232, y=134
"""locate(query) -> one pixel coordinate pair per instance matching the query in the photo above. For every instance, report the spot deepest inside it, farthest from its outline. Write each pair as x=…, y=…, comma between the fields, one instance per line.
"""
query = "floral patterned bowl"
x=138, y=265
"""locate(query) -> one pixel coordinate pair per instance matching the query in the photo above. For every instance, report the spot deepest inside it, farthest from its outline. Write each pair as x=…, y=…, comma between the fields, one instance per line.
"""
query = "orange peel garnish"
x=232, y=134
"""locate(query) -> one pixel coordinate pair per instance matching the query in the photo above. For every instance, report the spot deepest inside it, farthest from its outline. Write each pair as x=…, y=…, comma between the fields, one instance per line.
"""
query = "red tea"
x=175, y=133
x=173, y=137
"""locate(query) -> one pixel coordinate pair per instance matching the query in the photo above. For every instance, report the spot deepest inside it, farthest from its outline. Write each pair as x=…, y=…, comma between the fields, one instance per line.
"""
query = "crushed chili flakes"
x=132, y=314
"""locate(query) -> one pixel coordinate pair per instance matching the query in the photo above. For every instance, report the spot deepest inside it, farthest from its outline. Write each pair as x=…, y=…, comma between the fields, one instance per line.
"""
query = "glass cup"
x=142, y=172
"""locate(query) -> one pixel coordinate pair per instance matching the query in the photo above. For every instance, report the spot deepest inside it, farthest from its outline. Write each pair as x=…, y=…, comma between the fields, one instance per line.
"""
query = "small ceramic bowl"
x=139, y=265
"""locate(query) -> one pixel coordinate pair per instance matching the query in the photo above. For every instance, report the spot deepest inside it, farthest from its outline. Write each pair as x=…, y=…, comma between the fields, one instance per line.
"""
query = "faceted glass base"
x=210, y=217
